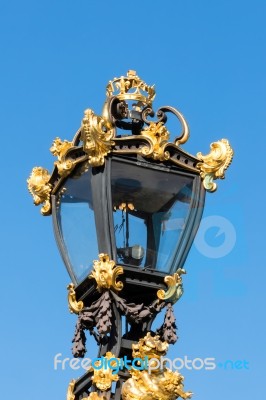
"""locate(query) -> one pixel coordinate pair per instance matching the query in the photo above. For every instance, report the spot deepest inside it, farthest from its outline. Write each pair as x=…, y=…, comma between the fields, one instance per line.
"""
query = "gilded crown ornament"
x=131, y=87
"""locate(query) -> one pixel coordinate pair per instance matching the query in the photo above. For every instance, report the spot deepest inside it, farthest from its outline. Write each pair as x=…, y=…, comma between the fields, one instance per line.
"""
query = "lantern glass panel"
x=76, y=224
x=150, y=211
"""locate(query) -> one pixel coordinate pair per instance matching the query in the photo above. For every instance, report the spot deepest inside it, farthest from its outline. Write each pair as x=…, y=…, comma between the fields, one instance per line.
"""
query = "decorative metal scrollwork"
x=97, y=134
x=60, y=148
x=40, y=188
x=104, y=376
x=149, y=138
x=106, y=272
x=158, y=136
x=175, y=287
x=157, y=384
x=73, y=305
x=162, y=118
x=214, y=164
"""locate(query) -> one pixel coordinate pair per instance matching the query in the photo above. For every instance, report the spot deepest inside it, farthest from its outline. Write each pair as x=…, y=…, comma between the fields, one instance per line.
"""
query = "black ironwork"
x=137, y=303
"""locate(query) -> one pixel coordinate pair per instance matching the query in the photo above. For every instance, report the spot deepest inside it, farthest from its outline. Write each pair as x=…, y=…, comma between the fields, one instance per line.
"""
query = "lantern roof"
x=128, y=107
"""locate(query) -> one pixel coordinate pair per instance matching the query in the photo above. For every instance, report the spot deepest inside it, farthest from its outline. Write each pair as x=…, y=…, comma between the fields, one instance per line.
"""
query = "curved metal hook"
x=162, y=117
x=183, y=137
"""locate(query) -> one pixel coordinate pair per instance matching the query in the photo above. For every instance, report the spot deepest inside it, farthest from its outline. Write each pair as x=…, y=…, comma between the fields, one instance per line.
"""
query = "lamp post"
x=126, y=204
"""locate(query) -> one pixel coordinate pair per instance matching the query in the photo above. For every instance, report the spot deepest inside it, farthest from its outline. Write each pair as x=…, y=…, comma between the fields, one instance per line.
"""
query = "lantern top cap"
x=147, y=137
x=131, y=87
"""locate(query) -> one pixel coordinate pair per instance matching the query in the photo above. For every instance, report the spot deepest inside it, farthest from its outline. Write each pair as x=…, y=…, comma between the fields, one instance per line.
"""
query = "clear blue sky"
x=206, y=58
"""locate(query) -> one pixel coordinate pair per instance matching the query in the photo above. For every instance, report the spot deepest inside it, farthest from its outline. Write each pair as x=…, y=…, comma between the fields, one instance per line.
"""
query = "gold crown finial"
x=131, y=87
x=131, y=72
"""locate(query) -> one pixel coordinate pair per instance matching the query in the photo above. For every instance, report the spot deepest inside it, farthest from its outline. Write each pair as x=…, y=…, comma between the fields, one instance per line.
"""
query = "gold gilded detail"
x=40, y=188
x=128, y=98
x=175, y=287
x=73, y=305
x=70, y=390
x=59, y=149
x=158, y=135
x=125, y=207
x=214, y=164
x=161, y=383
x=97, y=134
x=94, y=396
x=105, y=273
x=131, y=87
x=104, y=376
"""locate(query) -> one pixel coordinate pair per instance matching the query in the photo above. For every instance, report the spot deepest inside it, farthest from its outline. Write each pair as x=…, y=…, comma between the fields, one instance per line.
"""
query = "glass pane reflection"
x=130, y=244
x=77, y=225
x=151, y=209
x=169, y=226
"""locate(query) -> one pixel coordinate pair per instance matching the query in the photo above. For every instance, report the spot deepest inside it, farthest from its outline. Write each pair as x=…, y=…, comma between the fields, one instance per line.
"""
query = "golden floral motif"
x=157, y=133
x=214, y=164
x=71, y=396
x=59, y=149
x=97, y=134
x=40, y=188
x=105, y=273
x=150, y=346
x=104, y=376
x=73, y=305
x=160, y=383
x=175, y=287
x=94, y=396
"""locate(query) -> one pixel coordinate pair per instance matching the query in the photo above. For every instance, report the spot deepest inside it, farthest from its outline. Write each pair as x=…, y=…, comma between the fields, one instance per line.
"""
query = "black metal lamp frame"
x=96, y=145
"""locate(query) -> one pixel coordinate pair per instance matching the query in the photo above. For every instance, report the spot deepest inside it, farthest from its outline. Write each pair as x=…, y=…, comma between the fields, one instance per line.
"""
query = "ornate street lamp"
x=123, y=195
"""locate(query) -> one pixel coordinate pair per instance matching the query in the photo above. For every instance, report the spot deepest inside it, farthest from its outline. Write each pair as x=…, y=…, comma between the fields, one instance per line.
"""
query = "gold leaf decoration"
x=105, y=273
x=158, y=383
x=40, y=188
x=70, y=390
x=214, y=164
x=96, y=133
x=159, y=136
x=94, y=396
x=150, y=346
x=59, y=149
x=175, y=287
x=131, y=87
x=73, y=305
x=103, y=376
